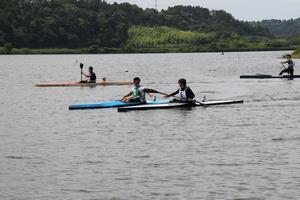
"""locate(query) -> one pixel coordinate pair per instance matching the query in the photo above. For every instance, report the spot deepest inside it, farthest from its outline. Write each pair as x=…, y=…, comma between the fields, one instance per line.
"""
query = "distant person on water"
x=91, y=76
x=185, y=93
x=290, y=68
x=138, y=92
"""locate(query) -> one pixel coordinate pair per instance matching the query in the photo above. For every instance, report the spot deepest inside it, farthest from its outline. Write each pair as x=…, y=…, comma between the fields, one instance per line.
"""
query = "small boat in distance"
x=80, y=84
x=267, y=76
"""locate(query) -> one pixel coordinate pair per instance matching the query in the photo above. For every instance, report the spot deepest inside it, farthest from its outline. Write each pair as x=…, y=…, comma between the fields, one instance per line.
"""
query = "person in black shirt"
x=92, y=76
x=185, y=92
x=290, y=68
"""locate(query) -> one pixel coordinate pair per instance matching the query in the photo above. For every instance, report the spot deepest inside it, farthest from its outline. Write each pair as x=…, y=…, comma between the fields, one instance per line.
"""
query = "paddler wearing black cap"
x=290, y=68
x=185, y=92
x=138, y=92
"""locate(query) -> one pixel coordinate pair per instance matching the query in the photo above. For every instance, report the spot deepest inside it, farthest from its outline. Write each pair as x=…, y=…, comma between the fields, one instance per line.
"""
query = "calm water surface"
x=246, y=151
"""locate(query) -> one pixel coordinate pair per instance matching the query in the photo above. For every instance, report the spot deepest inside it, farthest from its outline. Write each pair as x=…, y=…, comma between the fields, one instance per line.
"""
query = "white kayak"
x=176, y=105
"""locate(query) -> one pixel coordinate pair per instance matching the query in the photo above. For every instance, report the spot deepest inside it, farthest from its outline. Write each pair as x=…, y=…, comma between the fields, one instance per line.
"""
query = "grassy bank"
x=296, y=53
x=163, y=39
x=172, y=39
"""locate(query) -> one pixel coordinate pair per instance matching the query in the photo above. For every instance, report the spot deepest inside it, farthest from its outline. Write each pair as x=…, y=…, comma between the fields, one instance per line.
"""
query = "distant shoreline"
x=29, y=51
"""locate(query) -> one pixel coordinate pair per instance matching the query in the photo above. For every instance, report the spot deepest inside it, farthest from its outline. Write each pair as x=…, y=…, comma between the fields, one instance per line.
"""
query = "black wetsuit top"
x=290, y=64
x=93, y=78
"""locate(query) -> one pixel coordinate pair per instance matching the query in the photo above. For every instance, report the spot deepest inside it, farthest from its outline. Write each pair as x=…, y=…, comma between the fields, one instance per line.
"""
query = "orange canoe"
x=78, y=84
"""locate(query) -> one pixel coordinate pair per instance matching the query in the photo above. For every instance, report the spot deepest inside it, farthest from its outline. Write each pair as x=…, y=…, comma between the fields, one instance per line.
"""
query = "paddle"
x=153, y=97
x=283, y=65
x=81, y=67
x=178, y=98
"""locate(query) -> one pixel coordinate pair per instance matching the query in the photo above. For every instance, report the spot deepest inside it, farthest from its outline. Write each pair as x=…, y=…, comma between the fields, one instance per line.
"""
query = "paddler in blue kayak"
x=138, y=92
x=185, y=93
x=91, y=76
x=290, y=68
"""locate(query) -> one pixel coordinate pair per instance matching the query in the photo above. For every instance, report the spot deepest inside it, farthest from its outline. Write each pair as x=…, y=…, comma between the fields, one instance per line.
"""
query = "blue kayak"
x=112, y=104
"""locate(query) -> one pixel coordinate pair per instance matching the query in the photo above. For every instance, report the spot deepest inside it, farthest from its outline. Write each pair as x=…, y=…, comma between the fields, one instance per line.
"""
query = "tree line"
x=281, y=28
x=86, y=23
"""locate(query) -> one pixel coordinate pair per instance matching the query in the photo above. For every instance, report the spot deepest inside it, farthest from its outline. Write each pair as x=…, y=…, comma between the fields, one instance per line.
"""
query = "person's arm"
x=147, y=90
x=130, y=93
x=86, y=75
x=173, y=94
x=190, y=94
x=284, y=62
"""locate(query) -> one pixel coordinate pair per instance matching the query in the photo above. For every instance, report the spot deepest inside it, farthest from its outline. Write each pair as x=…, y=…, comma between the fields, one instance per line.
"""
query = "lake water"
x=247, y=151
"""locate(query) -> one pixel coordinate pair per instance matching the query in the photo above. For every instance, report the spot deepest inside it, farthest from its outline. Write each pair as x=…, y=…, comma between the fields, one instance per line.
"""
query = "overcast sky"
x=241, y=9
